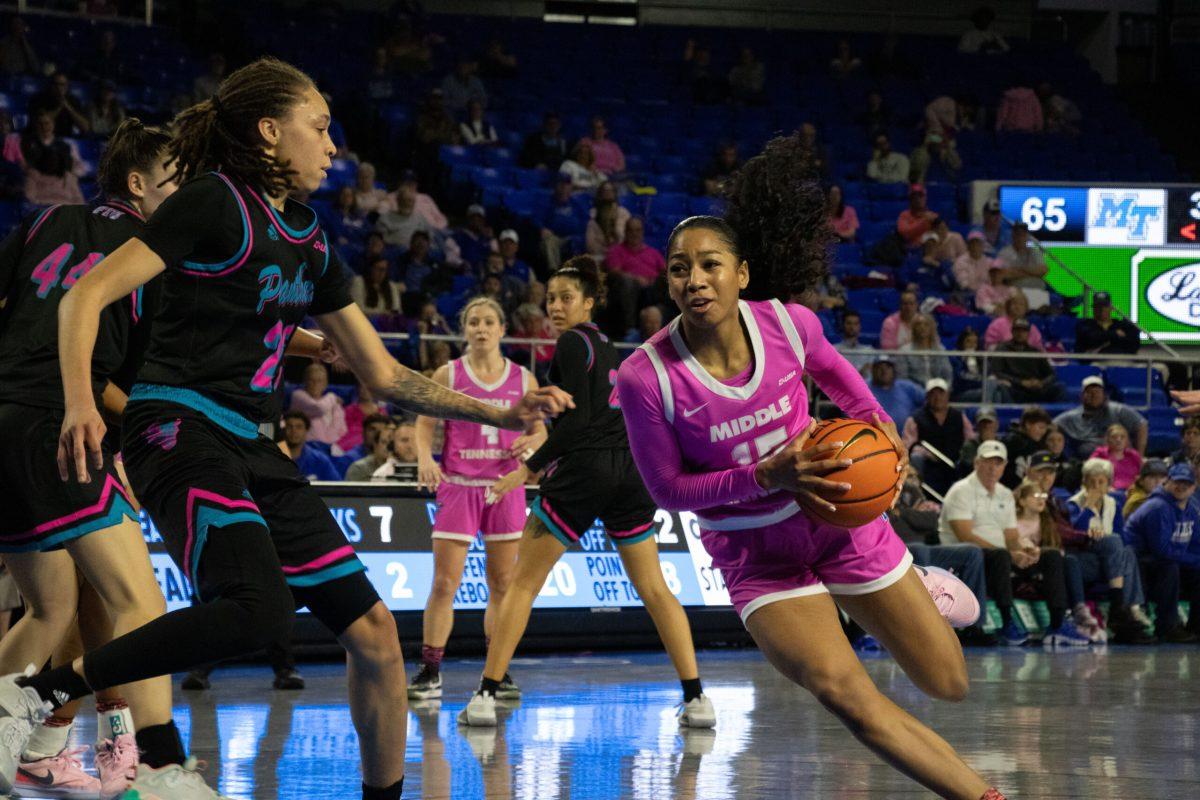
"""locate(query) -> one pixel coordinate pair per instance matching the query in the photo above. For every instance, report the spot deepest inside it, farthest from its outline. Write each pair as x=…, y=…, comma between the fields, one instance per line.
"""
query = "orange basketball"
x=872, y=476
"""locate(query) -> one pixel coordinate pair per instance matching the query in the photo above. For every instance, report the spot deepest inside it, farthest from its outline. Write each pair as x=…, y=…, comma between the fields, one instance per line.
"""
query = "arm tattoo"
x=416, y=393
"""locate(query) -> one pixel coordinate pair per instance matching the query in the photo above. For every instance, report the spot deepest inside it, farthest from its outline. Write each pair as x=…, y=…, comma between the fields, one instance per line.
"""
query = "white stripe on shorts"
x=502, y=537
x=457, y=537
x=893, y=575
x=786, y=511
x=775, y=597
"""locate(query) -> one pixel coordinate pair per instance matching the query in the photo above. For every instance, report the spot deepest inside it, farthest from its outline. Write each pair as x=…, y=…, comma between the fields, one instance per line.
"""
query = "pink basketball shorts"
x=800, y=556
x=462, y=513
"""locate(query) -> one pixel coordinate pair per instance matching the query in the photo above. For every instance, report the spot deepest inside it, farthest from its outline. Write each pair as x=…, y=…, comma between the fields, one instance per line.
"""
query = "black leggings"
x=247, y=607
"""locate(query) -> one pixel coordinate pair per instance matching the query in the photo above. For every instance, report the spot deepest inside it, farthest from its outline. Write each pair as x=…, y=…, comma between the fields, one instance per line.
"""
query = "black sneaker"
x=1178, y=635
x=288, y=680
x=196, y=681
x=1127, y=630
x=508, y=689
x=426, y=686
x=975, y=636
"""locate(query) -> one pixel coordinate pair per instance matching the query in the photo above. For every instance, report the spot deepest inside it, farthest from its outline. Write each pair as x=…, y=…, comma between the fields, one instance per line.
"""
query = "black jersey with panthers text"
x=240, y=276
x=39, y=262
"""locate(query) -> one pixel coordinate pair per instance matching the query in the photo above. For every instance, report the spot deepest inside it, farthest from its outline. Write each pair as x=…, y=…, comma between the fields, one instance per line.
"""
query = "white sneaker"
x=698, y=713
x=172, y=782
x=480, y=711
x=1139, y=614
x=21, y=709
x=1088, y=625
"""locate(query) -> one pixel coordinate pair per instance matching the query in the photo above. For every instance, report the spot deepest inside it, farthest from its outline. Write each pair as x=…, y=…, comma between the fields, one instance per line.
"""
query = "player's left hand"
x=1190, y=400
x=535, y=406
x=901, y=451
x=518, y=477
x=526, y=445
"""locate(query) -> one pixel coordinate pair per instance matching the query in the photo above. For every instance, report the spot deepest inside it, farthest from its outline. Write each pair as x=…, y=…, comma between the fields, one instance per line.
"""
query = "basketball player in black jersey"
x=242, y=265
x=47, y=523
x=590, y=474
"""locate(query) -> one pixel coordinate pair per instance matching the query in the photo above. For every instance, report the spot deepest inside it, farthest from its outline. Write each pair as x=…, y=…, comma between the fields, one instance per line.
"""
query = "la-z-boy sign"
x=1166, y=286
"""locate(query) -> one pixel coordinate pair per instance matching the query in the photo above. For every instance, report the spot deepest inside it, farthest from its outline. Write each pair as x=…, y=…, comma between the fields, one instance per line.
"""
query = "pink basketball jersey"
x=721, y=425
x=472, y=454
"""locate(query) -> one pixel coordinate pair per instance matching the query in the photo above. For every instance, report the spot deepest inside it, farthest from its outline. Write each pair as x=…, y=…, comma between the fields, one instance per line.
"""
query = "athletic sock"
x=1005, y=614
x=57, y=686
x=161, y=745
x=431, y=657
x=1116, y=599
x=113, y=720
x=1056, y=618
x=386, y=793
x=49, y=739
x=488, y=686
x=691, y=689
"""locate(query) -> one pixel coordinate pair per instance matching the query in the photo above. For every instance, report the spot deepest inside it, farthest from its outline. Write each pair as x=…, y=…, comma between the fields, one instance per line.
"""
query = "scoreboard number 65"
x=1049, y=215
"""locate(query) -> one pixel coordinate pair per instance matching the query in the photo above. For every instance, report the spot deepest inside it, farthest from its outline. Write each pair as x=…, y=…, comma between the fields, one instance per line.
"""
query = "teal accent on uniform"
x=120, y=508
x=209, y=517
x=230, y=420
x=327, y=574
x=555, y=531
x=641, y=537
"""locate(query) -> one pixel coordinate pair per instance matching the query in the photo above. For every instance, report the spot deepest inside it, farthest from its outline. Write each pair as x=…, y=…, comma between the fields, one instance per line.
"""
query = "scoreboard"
x=1138, y=243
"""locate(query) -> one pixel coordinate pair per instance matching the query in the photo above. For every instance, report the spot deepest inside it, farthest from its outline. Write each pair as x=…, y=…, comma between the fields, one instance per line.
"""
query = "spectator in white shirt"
x=475, y=129
x=886, y=166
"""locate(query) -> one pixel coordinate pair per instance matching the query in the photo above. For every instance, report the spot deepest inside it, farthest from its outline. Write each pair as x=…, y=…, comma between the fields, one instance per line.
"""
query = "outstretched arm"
x=361, y=347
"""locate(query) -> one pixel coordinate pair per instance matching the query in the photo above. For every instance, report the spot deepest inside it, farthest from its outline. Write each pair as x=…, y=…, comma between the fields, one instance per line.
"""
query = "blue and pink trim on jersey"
x=109, y=509
x=290, y=235
x=329, y=567
x=239, y=258
x=39, y=220
x=207, y=510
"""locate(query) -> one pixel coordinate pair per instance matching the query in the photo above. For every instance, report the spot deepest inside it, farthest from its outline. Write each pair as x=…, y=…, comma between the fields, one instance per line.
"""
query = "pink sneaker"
x=953, y=599
x=117, y=763
x=59, y=776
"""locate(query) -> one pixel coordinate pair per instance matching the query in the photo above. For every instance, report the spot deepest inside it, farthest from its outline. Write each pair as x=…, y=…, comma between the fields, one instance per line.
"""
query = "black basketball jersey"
x=585, y=365
x=39, y=262
x=240, y=277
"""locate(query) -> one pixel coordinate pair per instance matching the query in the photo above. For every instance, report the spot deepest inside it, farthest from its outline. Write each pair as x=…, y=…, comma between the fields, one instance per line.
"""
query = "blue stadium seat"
x=498, y=157
x=1130, y=385
x=452, y=154
x=1072, y=376
x=951, y=325
x=669, y=204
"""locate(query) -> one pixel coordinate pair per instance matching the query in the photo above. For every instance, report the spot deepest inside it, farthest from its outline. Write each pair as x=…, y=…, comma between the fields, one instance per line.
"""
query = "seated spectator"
x=1151, y=476
x=51, y=165
x=995, y=230
x=842, y=217
x=981, y=37
x=374, y=249
x=886, y=166
x=607, y=224
x=496, y=62
x=205, y=86
x=810, y=148
x=980, y=510
x=1126, y=461
x=418, y=265
x=435, y=355
x=1087, y=426
x=1163, y=532
x=514, y=267
x=475, y=240
x=609, y=158
x=1038, y=536
x=564, y=221
x=708, y=86
x=370, y=198
x=545, y=149
x=950, y=243
x=899, y=397
x=916, y=220
x=345, y=222
x=876, y=116
x=633, y=267
x=581, y=168
x=747, y=79
x=376, y=446
x=373, y=292
x=1000, y=329
x=1027, y=438
x=650, y=322
x=928, y=262
x=401, y=461
x=991, y=297
x=1092, y=507
x=57, y=100
x=1019, y=110
x=968, y=369
x=105, y=112
x=935, y=147
x=508, y=291
x=433, y=128
x=920, y=369
x=312, y=463
x=1104, y=334
x=327, y=418
x=530, y=322
x=365, y=418
x=17, y=56
x=424, y=204
x=462, y=86
x=1070, y=468
x=936, y=426
x=1028, y=380
x=721, y=169
x=987, y=429
x=845, y=63
x=398, y=224
x=851, y=330
x=475, y=129
x=897, y=326
x=972, y=270
x=1025, y=267
x=1060, y=114
x=1189, y=450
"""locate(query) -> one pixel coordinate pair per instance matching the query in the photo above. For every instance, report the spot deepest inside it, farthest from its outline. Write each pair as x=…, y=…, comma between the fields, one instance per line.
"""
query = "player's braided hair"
x=222, y=132
x=132, y=146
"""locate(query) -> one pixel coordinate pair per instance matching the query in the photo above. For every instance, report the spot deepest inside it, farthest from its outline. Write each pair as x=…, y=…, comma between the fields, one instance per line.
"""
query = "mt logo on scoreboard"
x=1126, y=216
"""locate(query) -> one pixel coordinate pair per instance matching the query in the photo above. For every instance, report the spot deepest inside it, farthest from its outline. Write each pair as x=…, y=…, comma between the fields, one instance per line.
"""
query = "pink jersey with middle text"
x=473, y=454
x=696, y=439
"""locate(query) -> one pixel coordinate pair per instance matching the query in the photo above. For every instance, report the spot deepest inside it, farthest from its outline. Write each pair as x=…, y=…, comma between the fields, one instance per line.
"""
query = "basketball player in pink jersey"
x=718, y=420
x=473, y=458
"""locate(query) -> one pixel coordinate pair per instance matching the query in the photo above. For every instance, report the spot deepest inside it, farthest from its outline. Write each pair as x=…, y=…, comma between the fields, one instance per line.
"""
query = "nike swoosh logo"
x=690, y=411
x=40, y=780
x=862, y=434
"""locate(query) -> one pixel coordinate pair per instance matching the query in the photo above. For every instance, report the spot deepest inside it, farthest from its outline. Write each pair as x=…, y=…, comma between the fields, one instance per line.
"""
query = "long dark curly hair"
x=776, y=209
x=222, y=132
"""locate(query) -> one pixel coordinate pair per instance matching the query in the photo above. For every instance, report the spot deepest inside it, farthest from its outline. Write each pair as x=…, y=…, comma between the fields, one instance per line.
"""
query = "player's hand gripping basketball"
x=535, y=406
x=798, y=468
x=79, y=444
x=901, y=452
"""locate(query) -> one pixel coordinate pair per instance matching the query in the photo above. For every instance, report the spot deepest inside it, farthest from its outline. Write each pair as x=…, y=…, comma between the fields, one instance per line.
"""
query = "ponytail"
x=587, y=273
x=132, y=147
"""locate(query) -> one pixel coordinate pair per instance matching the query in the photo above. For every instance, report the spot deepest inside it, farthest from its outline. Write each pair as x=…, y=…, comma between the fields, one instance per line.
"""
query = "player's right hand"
x=797, y=468
x=79, y=444
x=429, y=475
x=1190, y=400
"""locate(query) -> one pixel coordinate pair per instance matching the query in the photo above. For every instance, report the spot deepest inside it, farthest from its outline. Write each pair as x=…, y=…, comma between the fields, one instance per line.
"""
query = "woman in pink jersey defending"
x=473, y=458
x=718, y=421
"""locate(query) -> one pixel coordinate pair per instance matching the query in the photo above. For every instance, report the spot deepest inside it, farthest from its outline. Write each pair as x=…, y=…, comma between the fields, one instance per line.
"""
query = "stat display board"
x=390, y=529
x=1138, y=243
